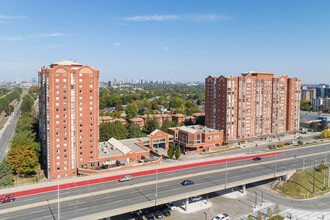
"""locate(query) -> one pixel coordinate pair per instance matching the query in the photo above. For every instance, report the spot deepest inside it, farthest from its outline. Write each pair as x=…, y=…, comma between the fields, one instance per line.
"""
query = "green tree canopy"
x=175, y=102
x=6, y=177
x=27, y=104
x=116, y=130
x=134, y=131
x=132, y=110
x=151, y=125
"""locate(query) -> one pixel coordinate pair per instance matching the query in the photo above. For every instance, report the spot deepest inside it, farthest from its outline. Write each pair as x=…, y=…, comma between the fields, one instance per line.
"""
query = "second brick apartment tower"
x=68, y=117
x=253, y=105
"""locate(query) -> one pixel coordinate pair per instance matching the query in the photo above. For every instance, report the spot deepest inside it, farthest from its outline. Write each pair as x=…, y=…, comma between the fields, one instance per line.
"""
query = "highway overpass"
x=111, y=198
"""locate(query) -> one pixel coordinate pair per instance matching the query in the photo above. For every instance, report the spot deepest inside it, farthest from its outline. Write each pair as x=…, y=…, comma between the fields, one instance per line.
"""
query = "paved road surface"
x=9, y=132
x=122, y=198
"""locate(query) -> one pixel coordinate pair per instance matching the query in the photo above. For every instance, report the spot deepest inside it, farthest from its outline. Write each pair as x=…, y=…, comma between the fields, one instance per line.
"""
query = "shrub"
x=300, y=143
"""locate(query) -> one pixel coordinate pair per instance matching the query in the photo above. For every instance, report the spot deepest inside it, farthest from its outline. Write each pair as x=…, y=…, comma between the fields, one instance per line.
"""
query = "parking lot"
x=231, y=201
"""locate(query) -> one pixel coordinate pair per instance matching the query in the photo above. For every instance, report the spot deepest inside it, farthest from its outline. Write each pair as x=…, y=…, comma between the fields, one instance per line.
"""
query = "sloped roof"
x=119, y=146
x=67, y=63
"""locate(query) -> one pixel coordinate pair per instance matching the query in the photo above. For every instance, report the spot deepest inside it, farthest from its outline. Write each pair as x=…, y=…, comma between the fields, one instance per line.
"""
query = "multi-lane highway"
x=9, y=132
x=84, y=201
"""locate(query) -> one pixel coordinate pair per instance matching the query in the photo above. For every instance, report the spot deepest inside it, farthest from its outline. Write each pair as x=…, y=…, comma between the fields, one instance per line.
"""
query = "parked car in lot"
x=300, y=137
x=195, y=198
x=187, y=182
x=158, y=214
x=221, y=217
x=294, y=143
x=7, y=198
x=166, y=212
x=139, y=217
x=171, y=206
x=149, y=216
x=136, y=213
x=125, y=178
x=287, y=143
x=256, y=158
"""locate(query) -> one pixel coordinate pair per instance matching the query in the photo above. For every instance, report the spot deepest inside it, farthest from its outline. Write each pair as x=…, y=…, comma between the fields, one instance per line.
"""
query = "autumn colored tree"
x=23, y=160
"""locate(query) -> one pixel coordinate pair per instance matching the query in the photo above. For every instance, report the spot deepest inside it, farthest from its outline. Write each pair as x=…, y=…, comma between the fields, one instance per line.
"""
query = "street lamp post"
x=156, y=186
x=58, y=200
x=226, y=170
x=275, y=164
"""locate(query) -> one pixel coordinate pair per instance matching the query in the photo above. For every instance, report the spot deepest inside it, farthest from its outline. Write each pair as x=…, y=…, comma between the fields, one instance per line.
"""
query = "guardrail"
x=182, y=196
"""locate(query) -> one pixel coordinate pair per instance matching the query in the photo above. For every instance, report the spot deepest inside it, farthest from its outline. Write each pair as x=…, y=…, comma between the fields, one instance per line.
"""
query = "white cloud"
x=52, y=46
x=165, y=48
x=11, y=17
x=196, y=18
x=117, y=44
x=152, y=18
x=208, y=17
x=33, y=36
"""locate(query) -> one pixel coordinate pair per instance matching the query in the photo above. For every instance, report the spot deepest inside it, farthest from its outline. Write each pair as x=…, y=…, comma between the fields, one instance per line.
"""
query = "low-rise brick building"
x=196, y=138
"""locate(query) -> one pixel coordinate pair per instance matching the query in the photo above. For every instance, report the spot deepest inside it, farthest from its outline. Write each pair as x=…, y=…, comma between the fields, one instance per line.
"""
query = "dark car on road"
x=257, y=158
x=187, y=182
x=8, y=198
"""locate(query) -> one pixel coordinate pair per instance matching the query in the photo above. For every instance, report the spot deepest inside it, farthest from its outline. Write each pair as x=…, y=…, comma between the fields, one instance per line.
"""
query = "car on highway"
x=125, y=178
x=256, y=158
x=7, y=198
x=187, y=182
x=171, y=206
x=221, y=217
x=195, y=198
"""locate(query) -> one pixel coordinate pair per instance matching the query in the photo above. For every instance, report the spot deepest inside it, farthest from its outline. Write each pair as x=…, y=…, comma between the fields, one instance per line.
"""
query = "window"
x=58, y=169
x=91, y=75
x=80, y=86
x=57, y=98
x=57, y=140
x=57, y=145
x=91, y=97
x=91, y=152
x=91, y=103
x=198, y=138
x=64, y=80
x=57, y=80
x=65, y=156
x=64, y=97
x=57, y=128
x=91, y=86
x=58, y=157
x=64, y=74
x=64, y=91
x=57, y=92
x=57, y=116
x=81, y=153
x=57, y=74
x=80, y=91
x=90, y=91
x=57, y=134
x=57, y=86
x=57, y=104
x=64, y=86
x=80, y=80
x=80, y=109
x=57, y=109
x=90, y=108
x=91, y=80
x=57, y=163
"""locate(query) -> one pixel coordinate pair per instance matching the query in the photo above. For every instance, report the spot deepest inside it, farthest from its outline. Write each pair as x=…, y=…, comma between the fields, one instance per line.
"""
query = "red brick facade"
x=68, y=113
x=253, y=105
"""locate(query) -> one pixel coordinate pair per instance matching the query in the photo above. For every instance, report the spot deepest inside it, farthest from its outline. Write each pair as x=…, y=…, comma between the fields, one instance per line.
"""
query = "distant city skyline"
x=176, y=41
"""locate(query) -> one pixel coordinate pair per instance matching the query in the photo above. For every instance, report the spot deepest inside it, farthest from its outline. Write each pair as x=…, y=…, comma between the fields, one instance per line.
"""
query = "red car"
x=8, y=198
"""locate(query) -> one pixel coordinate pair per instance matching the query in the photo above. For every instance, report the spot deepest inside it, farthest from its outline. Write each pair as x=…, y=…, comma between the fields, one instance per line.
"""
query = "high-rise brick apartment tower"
x=68, y=116
x=254, y=105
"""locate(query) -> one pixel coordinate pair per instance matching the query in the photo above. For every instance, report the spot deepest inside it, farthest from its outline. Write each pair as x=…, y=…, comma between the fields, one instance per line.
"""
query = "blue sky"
x=181, y=40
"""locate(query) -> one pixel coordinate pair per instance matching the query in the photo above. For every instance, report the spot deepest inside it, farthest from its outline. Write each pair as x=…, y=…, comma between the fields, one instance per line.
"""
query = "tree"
x=134, y=131
x=168, y=124
x=314, y=125
x=200, y=120
x=119, y=108
x=250, y=217
x=177, y=152
x=189, y=104
x=6, y=177
x=23, y=160
x=259, y=216
x=277, y=209
x=108, y=130
x=325, y=133
x=132, y=110
x=324, y=125
x=300, y=142
x=170, y=150
x=175, y=102
x=151, y=125
x=269, y=212
x=27, y=104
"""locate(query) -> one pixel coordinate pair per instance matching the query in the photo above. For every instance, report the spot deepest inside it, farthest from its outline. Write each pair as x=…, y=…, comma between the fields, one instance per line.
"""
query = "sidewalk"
x=287, y=213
